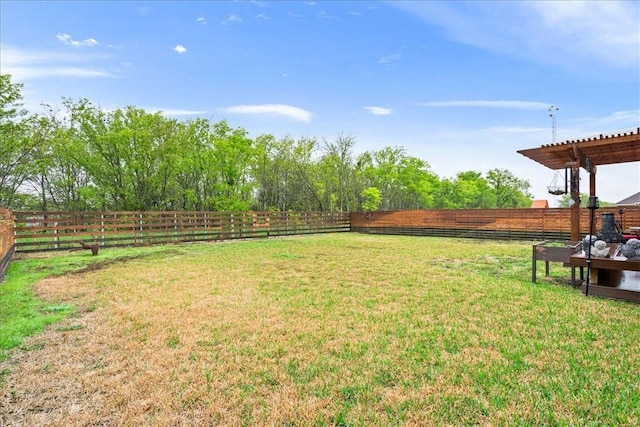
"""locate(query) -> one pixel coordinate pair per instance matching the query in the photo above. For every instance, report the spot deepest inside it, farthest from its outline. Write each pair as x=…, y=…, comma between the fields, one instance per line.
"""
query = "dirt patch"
x=103, y=264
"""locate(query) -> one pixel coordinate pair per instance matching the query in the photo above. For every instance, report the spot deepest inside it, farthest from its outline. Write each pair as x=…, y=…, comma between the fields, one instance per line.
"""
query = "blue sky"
x=462, y=85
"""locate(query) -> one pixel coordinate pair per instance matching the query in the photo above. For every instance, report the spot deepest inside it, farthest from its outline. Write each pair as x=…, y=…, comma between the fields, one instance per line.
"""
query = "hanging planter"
x=557, y=191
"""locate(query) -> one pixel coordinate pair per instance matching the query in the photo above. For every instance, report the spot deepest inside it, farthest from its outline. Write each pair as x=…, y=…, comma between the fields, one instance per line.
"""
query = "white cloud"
x=233, y=19
x=263, y=16
x=390, y=58
x=13, y=56
x=603, y=32
x=379, y=111
x=202, y=20
x=517, y=105
x=608, y=31
x=25, y=73
x=24, y=65
x=323, y=14
x=66, y=39
x=175, y=112
x=180, y=49
x=631, y=116
x=288, y=111
x=616, y=122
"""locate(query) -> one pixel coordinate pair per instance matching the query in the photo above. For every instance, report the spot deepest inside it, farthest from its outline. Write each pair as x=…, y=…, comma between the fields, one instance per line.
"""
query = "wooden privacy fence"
x=7, y=246
x=507, y=224
x=45, y=231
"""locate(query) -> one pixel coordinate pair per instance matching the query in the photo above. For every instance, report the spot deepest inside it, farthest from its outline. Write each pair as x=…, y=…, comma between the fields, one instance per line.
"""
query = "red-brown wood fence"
x=44, y=231
x=7, y=247
x=508, y=224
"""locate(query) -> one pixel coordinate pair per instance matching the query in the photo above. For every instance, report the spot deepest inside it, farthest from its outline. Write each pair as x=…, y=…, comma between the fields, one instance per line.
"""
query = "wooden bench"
x=554, y=252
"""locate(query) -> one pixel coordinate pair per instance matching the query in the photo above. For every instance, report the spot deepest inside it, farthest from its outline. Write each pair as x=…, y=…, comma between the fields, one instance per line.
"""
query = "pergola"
x=587, y=153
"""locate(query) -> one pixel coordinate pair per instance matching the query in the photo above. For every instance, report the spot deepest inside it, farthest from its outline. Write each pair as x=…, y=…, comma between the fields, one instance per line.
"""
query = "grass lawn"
x=337, y=329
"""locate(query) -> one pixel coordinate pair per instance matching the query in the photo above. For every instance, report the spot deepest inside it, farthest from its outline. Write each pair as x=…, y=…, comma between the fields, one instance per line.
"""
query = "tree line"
x=80, y=157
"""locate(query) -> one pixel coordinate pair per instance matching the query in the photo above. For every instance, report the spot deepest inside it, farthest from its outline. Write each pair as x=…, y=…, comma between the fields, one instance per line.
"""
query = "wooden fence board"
x=42, y=231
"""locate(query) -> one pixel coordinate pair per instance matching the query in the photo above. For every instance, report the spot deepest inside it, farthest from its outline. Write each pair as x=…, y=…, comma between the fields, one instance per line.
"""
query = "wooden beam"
x=584, y=160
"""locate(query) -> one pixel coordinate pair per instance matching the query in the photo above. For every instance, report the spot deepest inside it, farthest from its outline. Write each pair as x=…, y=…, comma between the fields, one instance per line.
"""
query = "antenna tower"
x=553, y=122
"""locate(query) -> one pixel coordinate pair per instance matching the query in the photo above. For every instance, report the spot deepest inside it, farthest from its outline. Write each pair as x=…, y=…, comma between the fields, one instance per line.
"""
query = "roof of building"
x=633, y=200
x=540, y=203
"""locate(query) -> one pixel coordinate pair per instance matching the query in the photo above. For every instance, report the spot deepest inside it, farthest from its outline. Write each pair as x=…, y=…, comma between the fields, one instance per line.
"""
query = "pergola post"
x=592, y=182
x=575, y=197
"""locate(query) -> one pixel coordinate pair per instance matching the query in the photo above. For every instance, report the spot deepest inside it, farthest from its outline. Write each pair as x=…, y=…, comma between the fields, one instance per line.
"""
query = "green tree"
x=233, y=155
x=510, y=191
x=129, y=159
x=56, y=174
x=129, y=155
x=405, y=182
x=445, y=195
x=417, y=182
x=371, y=199
x=40, y=164
x=18, y=140
x=336, y=174
x=284, y=174
x=194, y=165
x=472, y=191
x=566, y=202
x=380, y=169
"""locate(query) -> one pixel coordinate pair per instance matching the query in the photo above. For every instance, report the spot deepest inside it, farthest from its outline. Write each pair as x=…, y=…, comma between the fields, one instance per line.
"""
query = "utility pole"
x=553, y=122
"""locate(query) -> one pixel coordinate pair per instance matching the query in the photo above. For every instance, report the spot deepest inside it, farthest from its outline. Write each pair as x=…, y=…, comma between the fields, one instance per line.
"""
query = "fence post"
x=7, y=240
